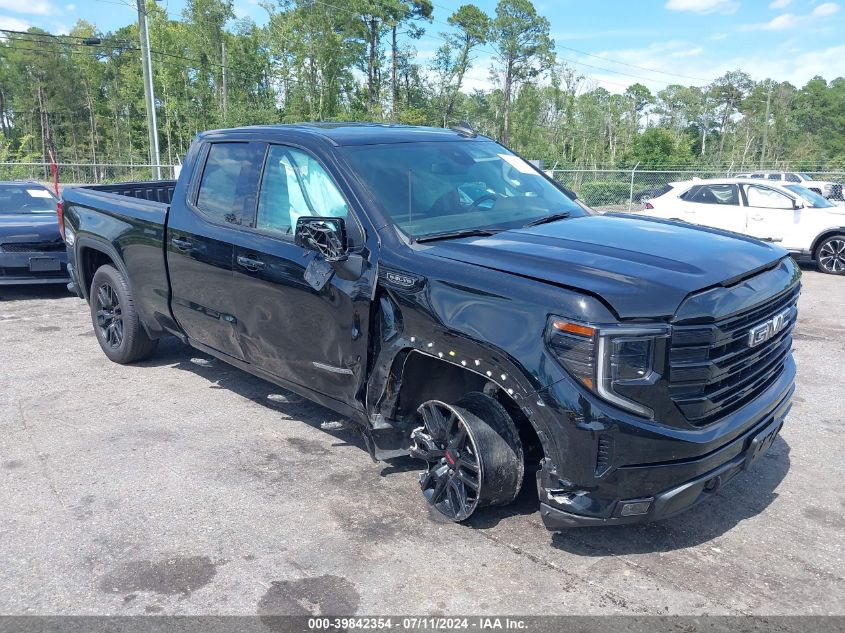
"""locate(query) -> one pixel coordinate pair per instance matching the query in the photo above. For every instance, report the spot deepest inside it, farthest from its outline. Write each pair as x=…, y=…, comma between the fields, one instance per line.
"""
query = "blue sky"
x=613, y=43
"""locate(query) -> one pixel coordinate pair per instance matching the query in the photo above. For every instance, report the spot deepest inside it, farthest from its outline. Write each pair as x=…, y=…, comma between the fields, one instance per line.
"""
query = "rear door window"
x=715, y=194
x=229, y=183
x=689, y=194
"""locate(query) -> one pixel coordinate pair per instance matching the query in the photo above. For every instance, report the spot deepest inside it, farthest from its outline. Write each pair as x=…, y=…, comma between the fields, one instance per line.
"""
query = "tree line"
x=81, y=94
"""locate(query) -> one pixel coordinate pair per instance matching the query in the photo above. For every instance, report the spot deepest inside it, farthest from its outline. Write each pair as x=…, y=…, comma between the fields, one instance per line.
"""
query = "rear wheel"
x=116, y=321
x=473, y=452
x=830, y=255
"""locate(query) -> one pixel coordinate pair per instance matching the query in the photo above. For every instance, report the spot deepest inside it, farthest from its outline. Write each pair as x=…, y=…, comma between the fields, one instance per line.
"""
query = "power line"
x=103, y=44
x=616, y=61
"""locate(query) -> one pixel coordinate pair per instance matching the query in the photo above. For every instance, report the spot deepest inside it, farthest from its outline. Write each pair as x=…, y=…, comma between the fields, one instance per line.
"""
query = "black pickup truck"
x=456, y=305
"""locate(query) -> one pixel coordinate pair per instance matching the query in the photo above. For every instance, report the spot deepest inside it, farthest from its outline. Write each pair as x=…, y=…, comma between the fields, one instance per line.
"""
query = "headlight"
x=614, y=362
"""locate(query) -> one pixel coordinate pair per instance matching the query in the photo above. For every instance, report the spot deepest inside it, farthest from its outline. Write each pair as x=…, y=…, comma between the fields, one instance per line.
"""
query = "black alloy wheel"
x=451, y=483
x=115, y=318
x=473, y=453
x=109, y=315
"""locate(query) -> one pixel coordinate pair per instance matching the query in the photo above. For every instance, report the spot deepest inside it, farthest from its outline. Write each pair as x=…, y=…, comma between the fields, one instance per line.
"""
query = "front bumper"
x=16, y=268
x=653, y=472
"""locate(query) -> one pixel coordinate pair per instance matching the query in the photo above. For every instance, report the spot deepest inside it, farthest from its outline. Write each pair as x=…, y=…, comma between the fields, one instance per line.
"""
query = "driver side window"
x=295, y=185
x=763, y=197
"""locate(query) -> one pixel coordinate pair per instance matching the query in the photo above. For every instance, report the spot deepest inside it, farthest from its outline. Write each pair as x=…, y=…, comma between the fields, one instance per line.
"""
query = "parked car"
x=831, y=190
x=31, y=246
x=809, y=226
x=456, y=305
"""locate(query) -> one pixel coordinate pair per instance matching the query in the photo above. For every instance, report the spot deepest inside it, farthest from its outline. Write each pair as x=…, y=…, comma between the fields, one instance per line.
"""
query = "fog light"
x=634, y=508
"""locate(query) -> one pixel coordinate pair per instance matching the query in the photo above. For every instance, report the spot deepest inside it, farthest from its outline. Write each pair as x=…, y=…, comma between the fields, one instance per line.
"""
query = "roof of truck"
x=356, y=133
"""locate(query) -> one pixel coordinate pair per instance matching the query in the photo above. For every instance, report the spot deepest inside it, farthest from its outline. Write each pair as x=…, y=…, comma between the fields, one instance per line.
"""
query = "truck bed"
x=127, y=222
x=153, y=190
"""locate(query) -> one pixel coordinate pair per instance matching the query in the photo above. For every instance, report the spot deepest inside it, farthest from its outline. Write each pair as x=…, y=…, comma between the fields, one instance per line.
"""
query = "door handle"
x=249, y=263
x=757, y=217
x=180, y=244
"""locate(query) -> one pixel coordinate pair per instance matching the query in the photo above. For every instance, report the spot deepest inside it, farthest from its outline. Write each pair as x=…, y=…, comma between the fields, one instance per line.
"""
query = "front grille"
x=713, y=371
x=32, y=247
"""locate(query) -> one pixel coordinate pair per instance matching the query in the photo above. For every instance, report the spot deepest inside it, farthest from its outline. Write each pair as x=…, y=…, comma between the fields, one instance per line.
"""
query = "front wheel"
x=474, y=455
x=830, y=255
x=116, y=320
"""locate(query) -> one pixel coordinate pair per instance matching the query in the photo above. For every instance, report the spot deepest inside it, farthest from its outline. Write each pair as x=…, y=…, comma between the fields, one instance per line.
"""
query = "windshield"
x=811, y=197
x=25, y=198
x=805, y=176
x=441, y=187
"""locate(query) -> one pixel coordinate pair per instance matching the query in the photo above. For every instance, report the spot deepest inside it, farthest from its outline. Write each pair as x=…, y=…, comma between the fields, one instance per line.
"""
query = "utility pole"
x=149, y=95
x=224, y=82
x=766, y=126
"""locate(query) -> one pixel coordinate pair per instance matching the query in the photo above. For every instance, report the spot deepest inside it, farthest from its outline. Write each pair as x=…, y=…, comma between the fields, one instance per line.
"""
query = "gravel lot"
x=184, y=486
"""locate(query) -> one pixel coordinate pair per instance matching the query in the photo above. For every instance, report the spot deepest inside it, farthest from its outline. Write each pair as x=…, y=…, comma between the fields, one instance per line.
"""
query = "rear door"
x=200, y=235
x=716, y=205
x=771, y=214
x=316, y=338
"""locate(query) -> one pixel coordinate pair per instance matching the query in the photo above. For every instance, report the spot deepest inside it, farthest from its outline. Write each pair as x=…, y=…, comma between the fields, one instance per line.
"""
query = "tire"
x=475, y=458
x=830, y=255
x=116, y=322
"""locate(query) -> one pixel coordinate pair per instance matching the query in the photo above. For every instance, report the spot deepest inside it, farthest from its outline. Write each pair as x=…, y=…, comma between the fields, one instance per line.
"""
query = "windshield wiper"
x=452, y=235
x=554, y=217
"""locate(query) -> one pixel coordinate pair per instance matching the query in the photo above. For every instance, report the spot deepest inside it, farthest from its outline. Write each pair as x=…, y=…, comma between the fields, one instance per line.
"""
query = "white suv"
x=809, y=226
x=832, y=190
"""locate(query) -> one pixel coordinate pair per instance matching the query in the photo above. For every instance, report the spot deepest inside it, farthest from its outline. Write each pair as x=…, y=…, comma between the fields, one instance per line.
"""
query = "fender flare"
x=106, y=248
x=384, y=383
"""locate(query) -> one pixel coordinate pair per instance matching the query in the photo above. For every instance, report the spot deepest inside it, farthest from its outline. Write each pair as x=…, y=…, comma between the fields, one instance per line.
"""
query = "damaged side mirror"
x=327, y=236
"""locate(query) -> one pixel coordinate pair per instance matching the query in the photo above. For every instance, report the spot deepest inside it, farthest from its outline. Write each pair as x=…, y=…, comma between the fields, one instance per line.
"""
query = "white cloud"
x=780, y=23
x=703, y=6
x=823, y=10
x=37, y=7
x=781, y=64
x=70, y=7
x=691, y=52
x=13, y=24
x=716, y=37
x=790, y=21
x=779, y=4
x=560, y=36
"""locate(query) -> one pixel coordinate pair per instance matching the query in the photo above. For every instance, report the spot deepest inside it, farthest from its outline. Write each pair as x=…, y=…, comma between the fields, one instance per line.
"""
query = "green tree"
x=524, y=50
x=454, y=58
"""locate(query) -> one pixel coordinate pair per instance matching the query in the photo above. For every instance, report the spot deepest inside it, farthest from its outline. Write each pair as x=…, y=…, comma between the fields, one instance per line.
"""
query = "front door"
x=772, y=215
x=313, y=337
x=199, y=243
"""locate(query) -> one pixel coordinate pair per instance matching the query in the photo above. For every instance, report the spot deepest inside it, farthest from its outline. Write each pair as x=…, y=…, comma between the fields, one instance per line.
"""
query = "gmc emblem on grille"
x=763, y=332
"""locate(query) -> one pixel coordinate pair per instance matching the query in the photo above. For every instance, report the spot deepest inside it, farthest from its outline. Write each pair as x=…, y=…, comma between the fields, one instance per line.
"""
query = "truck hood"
x=29, y=227
x=642, y=267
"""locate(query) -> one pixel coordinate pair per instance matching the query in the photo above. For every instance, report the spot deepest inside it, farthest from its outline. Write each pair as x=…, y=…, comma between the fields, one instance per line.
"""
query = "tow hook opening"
x=713, y=484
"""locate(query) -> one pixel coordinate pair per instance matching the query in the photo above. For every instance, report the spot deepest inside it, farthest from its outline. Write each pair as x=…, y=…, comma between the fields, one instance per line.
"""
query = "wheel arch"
x=823, y=236
x=91, y=254
x=417, y=376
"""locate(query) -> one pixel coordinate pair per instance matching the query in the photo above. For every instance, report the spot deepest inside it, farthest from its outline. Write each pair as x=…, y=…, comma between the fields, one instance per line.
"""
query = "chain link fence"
x=630, y=189
x=85, y=173
x=602, y=189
